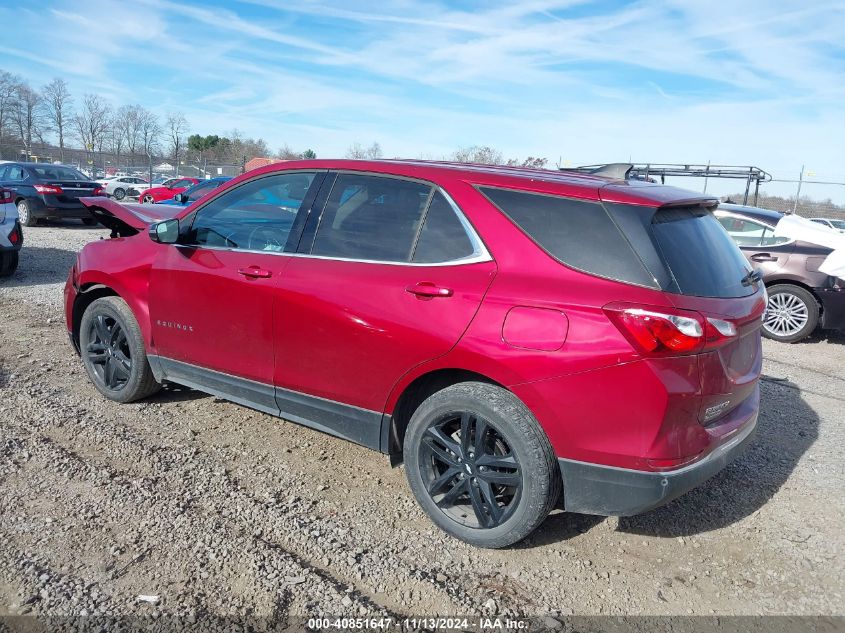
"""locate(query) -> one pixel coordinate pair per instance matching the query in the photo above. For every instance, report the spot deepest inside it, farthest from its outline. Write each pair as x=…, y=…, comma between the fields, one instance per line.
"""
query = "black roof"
x=764, y=215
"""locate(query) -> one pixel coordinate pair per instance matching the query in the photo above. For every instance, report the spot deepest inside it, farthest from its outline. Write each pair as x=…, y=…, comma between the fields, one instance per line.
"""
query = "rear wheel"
x=119, y=193
x=8, y=263
x=480, y=465
x=113, y=351
x=791, y=315
x=25, y=213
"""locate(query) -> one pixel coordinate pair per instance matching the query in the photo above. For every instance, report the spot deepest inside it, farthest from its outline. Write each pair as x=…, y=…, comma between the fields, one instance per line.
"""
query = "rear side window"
x=577, y=233
x=702, y=258
x=443, y=237
x=372, y=218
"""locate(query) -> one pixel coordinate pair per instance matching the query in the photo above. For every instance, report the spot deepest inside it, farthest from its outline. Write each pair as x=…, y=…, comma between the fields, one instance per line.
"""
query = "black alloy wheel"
x=470, y=471
x=109, y=352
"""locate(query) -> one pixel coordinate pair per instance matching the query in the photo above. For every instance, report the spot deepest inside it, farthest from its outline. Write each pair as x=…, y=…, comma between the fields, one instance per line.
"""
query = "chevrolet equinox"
x=520, y=339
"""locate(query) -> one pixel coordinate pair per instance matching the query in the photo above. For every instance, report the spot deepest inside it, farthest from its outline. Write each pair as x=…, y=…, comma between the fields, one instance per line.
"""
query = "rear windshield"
x=701, y=256
x=57, y=172
x=681, y=250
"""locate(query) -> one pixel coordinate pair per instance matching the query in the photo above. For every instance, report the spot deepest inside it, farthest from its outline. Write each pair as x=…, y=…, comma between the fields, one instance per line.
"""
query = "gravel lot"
x=216, y=509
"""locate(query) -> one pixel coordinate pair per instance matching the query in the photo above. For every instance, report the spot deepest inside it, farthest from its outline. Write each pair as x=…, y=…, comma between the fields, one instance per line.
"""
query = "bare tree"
x=483, y=155
x=149, y=134
x=115, y=138
x=177, y=126
x=26, y=115
x=8, y=101
x=356, y=150
x=57, y=103
x=91, y=123
x=127, y=121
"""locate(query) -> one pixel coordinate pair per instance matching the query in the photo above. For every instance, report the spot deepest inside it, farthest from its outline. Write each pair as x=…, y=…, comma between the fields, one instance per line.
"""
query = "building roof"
x=255, y=163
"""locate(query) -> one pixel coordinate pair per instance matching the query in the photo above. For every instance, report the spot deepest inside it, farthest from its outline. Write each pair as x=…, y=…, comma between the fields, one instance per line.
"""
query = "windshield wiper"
x=753, y=277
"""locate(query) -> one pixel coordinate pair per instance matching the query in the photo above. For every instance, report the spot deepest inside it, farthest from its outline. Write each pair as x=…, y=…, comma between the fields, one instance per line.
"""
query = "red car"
x=510, y=334
x=167, y=191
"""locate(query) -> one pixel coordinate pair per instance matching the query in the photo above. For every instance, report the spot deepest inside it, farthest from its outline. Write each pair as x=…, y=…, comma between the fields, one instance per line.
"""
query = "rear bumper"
x=54, y=209
x=610, y=491
x=833, y=308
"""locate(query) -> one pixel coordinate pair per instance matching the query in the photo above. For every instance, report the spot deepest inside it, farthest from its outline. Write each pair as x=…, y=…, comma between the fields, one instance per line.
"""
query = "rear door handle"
x=763, y=257
x=254, y=272
x=426, y=289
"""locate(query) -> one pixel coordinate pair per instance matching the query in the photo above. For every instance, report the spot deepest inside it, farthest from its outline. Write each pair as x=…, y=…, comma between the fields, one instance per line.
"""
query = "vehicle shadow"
x=40, y=265
x=787, y=427
x=73, y=225
x=829, y=336
x=171, y=392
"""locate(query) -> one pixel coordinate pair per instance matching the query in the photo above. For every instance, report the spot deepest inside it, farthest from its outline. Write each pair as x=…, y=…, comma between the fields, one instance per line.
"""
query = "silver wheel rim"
x=786, y=314
x=23, y=213
x=119, y=194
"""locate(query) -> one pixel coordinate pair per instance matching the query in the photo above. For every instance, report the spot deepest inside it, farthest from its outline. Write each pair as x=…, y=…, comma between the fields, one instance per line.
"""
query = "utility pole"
x=798, y=193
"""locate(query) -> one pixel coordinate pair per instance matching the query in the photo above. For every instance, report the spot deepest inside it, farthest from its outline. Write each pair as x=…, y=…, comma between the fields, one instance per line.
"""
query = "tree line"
x=50, y=120
x=42, y=122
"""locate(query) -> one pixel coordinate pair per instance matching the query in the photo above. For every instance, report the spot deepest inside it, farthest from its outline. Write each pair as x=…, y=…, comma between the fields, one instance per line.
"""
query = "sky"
x=736, y=82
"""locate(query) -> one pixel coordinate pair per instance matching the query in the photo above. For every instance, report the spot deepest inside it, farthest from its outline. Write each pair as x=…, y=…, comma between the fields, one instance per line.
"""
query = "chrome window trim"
x=479, y=254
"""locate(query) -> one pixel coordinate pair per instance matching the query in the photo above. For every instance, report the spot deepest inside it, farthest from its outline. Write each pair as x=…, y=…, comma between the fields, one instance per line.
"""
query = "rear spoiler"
x=124, y=220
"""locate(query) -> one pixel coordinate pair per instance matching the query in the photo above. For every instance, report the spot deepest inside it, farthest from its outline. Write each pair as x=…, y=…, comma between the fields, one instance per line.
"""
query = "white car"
x=120, y=186
x=838, y=225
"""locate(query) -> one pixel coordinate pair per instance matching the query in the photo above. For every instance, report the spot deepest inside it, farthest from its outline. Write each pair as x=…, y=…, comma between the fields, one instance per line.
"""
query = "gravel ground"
x=214, y=509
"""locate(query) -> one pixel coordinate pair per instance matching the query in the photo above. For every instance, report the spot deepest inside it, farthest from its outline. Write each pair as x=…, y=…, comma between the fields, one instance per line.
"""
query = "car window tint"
x=57, y=172
x=578, y=233
x=256, y=216
x=443, y=237
x=371, y=217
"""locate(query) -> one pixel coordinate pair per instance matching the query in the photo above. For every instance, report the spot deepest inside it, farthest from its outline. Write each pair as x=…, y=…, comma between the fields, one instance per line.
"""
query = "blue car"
x=196, y=192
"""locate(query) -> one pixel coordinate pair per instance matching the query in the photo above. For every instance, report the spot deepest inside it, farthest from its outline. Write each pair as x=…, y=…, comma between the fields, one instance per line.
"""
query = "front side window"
x=372, y=218
x=256, y=216
x=181, y=183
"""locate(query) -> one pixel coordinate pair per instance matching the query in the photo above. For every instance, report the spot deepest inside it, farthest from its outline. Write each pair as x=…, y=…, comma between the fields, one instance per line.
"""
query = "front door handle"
x=426, y=289
x=254, y=272
x=763, y=257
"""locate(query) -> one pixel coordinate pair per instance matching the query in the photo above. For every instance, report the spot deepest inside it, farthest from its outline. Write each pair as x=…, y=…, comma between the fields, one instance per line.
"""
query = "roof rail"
x=619, y=171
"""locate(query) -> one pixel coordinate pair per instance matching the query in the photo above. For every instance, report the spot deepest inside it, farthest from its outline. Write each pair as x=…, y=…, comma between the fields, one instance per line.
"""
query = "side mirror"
x=181, y=198
x=166, y=232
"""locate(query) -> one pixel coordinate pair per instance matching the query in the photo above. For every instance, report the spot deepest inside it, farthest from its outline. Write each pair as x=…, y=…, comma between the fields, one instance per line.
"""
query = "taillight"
x=665, y=331
x=14, y=236
x=54, y=190
x=99, y=191
x=5, y=196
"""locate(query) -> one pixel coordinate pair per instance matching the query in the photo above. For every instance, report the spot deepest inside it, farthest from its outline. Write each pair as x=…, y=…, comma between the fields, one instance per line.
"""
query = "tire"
x=119, y=193
x=454, y=491
x=8, y=263
x=792, y=314
x=98, y=335
x=90, y=221
x=25, y=213
x=147, y=199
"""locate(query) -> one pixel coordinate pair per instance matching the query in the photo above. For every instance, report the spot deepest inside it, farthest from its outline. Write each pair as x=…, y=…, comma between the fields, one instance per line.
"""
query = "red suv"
x=517, y=337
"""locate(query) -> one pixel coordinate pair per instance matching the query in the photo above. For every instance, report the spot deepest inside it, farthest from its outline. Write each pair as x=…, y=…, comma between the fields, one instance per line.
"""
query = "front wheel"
x=147, y=199
x=119, y=193
x=113, y=351
x=480, y=465
x=791, y=315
